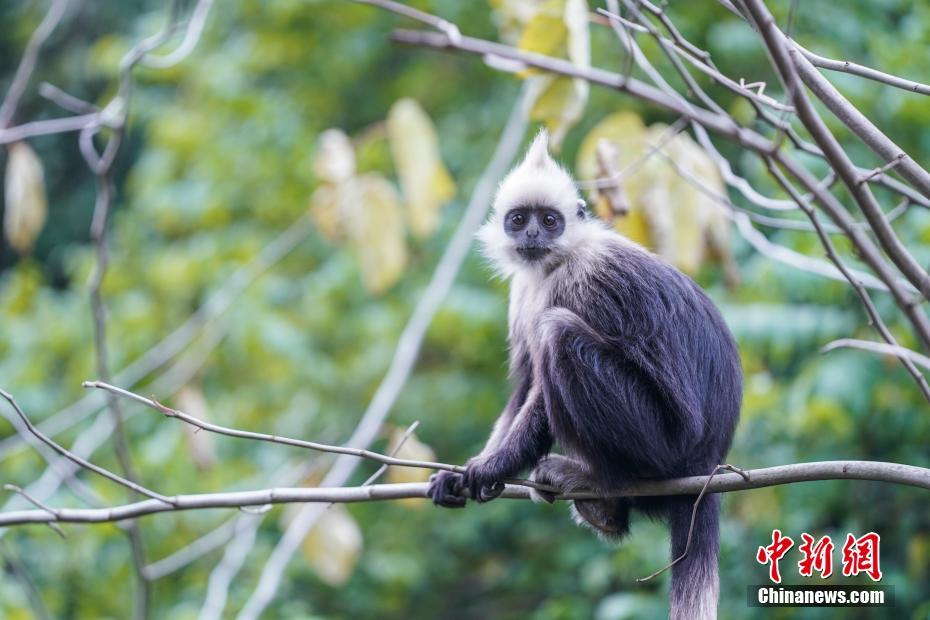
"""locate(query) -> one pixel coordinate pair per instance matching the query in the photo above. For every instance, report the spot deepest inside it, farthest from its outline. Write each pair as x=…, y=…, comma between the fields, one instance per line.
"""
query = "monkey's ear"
x=538, y=154
x=582, y=212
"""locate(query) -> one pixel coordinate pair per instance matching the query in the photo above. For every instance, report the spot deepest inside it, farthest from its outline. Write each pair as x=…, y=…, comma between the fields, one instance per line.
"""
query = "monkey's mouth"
x=532, y=253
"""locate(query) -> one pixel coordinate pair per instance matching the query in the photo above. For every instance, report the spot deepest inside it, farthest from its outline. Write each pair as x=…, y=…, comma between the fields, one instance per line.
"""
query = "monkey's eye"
x=518, y=219
x=549, y=221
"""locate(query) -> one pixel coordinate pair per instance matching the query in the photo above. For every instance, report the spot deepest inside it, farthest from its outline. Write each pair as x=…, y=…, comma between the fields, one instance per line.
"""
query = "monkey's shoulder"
x=622, y=286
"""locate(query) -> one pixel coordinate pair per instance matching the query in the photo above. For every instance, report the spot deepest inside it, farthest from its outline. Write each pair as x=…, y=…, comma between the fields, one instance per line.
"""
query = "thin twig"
x=286, y=441
x=191, y=38
x=80, y=461
x=37, y=504
x=66, y=100
x=846, y=66
x=895, y=350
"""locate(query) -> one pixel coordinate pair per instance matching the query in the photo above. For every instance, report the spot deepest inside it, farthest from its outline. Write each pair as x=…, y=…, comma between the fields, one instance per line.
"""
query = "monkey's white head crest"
x=538, y=217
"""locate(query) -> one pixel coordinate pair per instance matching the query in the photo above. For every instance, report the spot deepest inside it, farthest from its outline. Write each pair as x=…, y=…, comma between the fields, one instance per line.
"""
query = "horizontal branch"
x=895, y=473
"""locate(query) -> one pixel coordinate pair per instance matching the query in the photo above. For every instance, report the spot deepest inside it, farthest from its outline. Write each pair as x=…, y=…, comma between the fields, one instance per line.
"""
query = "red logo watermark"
x=860, y=555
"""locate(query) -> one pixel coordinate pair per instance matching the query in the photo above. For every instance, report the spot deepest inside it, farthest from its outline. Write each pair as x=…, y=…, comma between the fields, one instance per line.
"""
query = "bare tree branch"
x=285, y=441
x=776, y=42
x=846, y=66
x=80, y=461
x=891, y=348
x=877, y=471
x=191, y=38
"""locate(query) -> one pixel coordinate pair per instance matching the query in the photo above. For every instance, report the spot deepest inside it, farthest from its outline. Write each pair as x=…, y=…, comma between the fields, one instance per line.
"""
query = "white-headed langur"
x=617, y=358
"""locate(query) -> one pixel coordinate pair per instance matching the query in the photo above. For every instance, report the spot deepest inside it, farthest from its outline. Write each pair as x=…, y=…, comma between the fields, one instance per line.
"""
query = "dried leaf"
x=333, y=546
x=626, y=133
x=376, y=230
x=579, y=37
x=668, y=213
x=24, y=193
x=425, y=182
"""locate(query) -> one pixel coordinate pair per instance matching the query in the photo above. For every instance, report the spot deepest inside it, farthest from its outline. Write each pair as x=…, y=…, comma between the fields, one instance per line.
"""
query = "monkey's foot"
x=609, y=518
x=445, y=489
x=561, y=473
x=540, y=495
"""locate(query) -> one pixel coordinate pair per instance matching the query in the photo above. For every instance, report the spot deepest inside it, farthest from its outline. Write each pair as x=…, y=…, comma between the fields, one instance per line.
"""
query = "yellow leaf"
x=376, y=231
x=710, y=214
x=335, y=157
x=560, y=29
x=634, y=227
x=695, y=222
x=24, y=193
x=425, y=182
x=546, y=32
x=333, y=546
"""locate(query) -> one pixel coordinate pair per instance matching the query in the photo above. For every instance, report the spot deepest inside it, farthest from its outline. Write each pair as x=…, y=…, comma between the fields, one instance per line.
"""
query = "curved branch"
x=877, y=471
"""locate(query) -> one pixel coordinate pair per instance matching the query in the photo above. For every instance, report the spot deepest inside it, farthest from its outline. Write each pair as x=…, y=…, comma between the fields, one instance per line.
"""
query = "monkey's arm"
x=527, y=441
x=507, y=416
x=509, y=450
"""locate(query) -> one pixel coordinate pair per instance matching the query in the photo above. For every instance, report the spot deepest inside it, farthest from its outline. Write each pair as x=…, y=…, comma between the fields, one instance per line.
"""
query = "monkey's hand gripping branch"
x=482, y=481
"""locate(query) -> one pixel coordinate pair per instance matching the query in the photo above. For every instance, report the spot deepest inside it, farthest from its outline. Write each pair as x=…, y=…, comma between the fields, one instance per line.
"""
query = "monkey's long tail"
x=695, y=584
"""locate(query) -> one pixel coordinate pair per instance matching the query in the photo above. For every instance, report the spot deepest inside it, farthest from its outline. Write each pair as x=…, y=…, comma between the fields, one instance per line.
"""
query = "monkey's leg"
x=605, y=402
x=609, y=518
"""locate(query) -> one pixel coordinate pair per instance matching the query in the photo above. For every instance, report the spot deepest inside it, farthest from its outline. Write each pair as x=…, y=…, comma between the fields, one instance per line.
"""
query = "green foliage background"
x=219, y=162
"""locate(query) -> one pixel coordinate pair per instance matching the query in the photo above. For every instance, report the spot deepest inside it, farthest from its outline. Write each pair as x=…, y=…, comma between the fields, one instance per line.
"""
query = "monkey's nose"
x=532, y=232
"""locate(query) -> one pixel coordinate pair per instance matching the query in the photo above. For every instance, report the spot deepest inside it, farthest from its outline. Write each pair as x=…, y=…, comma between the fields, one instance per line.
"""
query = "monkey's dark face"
x=534, y=230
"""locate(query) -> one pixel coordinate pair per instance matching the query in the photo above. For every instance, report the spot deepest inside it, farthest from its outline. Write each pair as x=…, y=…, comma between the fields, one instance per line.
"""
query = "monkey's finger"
x=445, y=490
x=487, y=493
x=450, y=501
